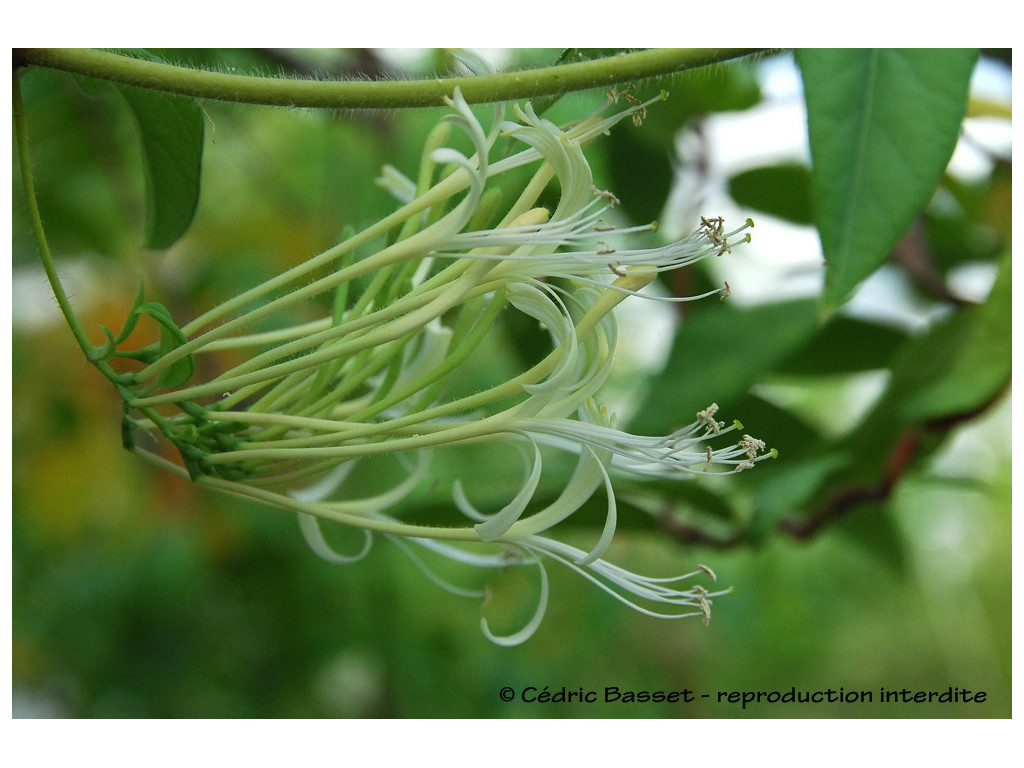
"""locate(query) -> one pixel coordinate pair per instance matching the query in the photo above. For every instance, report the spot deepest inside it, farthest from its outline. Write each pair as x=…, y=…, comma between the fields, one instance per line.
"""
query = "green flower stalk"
x=347, y=357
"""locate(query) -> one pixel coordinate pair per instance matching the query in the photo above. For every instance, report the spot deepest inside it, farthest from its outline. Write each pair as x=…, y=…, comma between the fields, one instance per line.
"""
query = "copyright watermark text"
x=612, y=694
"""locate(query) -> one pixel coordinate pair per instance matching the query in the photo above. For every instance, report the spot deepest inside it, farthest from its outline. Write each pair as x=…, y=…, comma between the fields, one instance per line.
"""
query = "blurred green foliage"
x=874, y=553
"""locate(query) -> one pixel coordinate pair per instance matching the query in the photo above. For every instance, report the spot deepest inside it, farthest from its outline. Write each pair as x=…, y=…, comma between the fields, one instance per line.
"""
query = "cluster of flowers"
x=303, y=403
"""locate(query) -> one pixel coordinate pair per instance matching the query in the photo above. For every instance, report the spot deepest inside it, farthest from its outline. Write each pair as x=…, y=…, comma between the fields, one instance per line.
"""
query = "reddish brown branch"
x=843, y=501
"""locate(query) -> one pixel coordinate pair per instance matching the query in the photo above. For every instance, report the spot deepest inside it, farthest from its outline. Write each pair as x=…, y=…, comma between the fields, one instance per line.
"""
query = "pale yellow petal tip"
x=635, y=278
x=532, y=217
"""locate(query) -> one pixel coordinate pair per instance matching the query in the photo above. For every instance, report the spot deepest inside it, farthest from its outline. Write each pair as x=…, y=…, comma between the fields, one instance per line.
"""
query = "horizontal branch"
x=363, y=94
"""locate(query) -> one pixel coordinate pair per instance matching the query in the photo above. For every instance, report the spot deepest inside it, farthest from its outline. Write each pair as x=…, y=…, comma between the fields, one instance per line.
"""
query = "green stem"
x=92, y=353
x=598, y=73
x=21, y=131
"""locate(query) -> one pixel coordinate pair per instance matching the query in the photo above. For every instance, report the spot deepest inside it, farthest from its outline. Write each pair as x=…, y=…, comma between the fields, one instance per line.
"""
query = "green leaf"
x=981, y=369
x=641, y=172
x=84, y=167
x=786, y=488
x=882, y=127
x=957, y=367
x=872, y=527
x=133, y=315
x=171, y=337
x=717, y=354
x=782, y=429
x=171, y=130
x=779, y=190
x=977, y=226
x=845, y=345
x=110, y=348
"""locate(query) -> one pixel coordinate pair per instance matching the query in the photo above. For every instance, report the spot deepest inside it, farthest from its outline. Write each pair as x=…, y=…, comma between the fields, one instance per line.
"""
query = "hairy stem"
x=21, y=132
x=287, y=92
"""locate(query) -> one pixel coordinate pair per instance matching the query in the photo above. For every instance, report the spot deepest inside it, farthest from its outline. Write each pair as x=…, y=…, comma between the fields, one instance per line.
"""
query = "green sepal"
x=171, y=337
x=193, y=460
x=109, y=350
x=127, y=436
x=133, y=315
x=187, y=433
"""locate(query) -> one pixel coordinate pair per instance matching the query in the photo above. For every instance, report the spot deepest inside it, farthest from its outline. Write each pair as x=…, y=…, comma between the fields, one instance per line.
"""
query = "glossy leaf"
x=882, y=127
x=171, y=131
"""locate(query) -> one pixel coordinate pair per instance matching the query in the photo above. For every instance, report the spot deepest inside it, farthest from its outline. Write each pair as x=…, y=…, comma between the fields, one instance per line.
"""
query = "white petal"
x=608, y=533
x=310, y=527
x=496, y=526
x=520, y=637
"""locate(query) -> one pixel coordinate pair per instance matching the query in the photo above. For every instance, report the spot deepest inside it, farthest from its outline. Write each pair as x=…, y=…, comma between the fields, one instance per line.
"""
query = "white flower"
x=289, y=422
